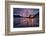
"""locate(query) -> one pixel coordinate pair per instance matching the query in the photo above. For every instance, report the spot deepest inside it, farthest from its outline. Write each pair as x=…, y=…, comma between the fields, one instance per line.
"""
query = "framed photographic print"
x=24, y=17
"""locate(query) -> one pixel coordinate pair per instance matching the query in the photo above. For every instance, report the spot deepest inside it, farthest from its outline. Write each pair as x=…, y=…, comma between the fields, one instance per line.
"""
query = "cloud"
x=25, y=11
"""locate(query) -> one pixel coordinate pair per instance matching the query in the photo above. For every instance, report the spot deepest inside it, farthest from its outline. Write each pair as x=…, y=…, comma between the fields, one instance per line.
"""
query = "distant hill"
x=17, y=16
x=30, y=16
x=36, y=15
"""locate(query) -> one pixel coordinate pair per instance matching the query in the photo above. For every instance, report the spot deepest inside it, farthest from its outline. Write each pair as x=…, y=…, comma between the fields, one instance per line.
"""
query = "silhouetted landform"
x=17, y=16
x=36, y=15
x=30, y=16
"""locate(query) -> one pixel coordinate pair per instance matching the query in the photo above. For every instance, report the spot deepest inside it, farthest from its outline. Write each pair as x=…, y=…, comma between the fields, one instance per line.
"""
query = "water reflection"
x=26, y=22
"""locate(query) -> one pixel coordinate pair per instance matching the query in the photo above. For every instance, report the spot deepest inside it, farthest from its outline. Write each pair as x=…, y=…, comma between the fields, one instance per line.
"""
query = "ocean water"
x=25, y=22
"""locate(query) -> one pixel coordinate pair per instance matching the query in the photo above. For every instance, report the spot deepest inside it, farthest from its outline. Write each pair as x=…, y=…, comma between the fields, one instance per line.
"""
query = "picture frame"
x=9, y=5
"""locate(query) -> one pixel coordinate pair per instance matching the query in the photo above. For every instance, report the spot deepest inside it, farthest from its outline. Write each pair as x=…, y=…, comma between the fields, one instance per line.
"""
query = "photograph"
x=25, y=17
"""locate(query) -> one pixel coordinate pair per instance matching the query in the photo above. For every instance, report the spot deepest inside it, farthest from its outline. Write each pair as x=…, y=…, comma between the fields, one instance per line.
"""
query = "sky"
x=25, y=11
